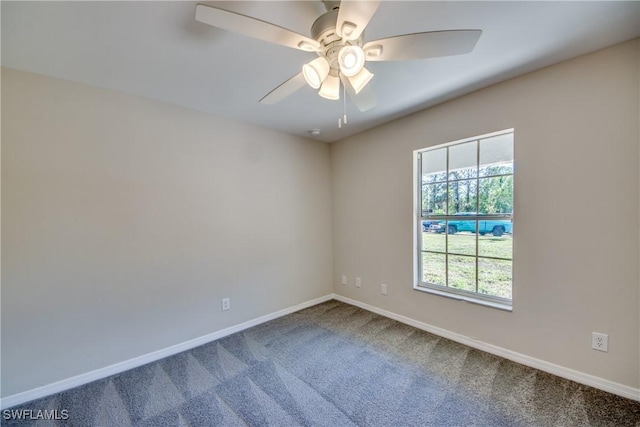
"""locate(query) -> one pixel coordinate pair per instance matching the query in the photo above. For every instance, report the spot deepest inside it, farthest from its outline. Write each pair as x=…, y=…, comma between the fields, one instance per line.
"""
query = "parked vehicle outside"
x=497, y=227
x=431, y=225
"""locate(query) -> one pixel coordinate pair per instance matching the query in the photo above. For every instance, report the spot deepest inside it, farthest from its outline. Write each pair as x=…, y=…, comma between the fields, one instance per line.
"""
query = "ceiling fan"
x=337, y=38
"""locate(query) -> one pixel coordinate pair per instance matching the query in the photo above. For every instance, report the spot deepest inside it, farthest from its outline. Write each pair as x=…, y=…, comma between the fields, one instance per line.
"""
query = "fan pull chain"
x=343, y=119
x=344, y=105
x=340, y=118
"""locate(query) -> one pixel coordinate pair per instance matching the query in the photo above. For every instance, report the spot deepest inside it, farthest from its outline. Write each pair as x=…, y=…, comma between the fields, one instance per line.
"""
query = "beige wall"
x=125, y=221
x=576, y=213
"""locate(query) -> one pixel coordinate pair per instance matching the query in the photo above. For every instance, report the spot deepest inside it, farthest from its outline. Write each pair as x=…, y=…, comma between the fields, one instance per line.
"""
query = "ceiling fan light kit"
x=316, y=71
x=336, y=37
x=351, y=60
x=347, y=60
x=360, y=80
x=330, y=88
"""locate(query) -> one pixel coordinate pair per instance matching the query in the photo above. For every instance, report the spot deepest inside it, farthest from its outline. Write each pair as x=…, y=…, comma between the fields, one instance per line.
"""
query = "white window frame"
x=419, y=285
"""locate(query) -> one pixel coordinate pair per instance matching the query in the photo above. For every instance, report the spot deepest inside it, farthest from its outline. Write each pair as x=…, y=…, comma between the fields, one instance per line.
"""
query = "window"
x=464, y=219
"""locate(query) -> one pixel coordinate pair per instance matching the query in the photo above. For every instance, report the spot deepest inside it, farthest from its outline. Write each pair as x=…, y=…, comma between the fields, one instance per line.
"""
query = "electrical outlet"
x=358, y=282
x=344, y=280
x=226, y=304
x=600, y=341
x=383, y=289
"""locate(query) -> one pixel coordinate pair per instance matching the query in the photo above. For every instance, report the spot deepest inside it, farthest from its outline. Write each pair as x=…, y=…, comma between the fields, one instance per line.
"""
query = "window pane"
x=434, y=269
x=498, y=247
x=462, y=272
x=466, y=207
x=432, y=240
x=496, y=155
x=496, y=195
x=434, y=199
x=463, y=160
x=462, y=196
x=494, y=277
x=434, y=165
x=464, y=242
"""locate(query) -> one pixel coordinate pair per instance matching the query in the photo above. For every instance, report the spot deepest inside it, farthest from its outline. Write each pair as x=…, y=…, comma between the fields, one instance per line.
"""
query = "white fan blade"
x=422, y=45
x=284, y=90
x=255, y=28
x=363, y=100
x=353, y=17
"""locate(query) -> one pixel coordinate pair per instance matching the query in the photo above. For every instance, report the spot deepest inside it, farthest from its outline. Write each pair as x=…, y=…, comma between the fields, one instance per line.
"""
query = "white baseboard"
x=78, y=380
x=561, y=371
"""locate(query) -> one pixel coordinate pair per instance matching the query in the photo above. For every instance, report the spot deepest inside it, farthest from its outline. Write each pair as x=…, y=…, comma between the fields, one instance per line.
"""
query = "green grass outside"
x=494, y=276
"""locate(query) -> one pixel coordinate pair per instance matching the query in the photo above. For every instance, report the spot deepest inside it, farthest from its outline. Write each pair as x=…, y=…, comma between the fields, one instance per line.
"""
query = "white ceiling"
x=157, y=50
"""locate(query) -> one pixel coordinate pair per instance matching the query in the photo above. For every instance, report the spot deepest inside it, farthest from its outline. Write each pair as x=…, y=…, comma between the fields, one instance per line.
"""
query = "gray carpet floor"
x=335, y=365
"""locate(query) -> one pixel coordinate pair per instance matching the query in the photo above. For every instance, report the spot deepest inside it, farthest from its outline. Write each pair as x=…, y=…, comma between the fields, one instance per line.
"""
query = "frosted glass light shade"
x=351, y=60
x=316, y=71
x=330, y=88
x=360, y=80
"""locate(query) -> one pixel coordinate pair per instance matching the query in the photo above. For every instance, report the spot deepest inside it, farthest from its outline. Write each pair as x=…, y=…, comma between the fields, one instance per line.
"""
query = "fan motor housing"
x=324, y=28
x=323, y=31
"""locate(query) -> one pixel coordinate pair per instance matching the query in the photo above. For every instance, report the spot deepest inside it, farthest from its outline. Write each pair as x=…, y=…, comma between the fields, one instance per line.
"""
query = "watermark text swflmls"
x=35, y=414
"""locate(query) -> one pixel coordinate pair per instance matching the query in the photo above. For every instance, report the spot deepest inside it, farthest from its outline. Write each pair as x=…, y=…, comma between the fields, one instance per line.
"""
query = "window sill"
x=472, y=300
